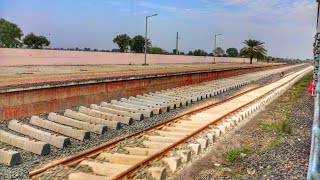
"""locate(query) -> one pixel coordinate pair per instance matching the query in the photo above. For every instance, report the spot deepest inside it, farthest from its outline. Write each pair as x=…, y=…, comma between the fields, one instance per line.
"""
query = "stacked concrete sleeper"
x=73, y=125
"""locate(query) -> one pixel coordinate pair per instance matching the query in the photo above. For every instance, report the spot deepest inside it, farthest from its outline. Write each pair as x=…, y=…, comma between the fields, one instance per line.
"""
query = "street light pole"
x=177, y=44
x=145, y=43
x=145, y=40
x=50, y=46
x=215, y=47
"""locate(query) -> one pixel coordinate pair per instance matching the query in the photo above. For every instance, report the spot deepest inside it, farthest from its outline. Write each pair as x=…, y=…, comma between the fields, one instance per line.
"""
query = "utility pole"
x=177, y=44
x=50, y=46
x=215, y=47
x=50, y=40
x=145, y=40
x=145, y=43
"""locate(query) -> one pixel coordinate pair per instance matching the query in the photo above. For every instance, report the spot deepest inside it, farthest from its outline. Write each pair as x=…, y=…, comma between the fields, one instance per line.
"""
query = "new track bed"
x=160, y=150
x=59, y=130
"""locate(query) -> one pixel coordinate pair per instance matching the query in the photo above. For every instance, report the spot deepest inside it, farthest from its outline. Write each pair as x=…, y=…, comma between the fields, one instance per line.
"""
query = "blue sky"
x=287, y=26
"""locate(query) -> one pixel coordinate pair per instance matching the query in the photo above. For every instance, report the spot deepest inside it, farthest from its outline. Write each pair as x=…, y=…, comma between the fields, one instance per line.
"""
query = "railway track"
x=159, y=151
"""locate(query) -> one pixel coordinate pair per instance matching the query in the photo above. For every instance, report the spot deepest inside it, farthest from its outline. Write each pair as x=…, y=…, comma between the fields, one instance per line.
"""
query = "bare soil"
x=31, y=71
x=24, y=75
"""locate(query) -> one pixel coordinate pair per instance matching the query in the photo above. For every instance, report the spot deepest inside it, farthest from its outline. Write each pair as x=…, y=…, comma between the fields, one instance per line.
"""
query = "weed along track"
x=158, y=151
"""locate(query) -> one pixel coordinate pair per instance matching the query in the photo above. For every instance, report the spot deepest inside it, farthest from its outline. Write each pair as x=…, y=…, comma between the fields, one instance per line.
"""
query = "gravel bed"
x=288, y=160
x=30, y=160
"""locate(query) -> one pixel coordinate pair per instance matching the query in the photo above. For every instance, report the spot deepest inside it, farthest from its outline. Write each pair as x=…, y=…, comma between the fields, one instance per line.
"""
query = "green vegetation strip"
x=274, y=143
x=280, y=121
x=236, y=154
x=283, y=113
x=282, y=127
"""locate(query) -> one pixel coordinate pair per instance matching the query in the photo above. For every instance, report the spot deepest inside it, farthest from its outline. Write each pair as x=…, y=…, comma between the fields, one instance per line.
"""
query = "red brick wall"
x=32, y=102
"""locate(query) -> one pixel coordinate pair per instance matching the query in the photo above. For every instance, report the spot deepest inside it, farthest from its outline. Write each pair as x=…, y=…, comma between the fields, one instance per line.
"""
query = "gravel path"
x=30, y=160
x=287, y=160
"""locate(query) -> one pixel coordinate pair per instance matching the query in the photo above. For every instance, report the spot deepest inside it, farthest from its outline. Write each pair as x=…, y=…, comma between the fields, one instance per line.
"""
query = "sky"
x=286, y=26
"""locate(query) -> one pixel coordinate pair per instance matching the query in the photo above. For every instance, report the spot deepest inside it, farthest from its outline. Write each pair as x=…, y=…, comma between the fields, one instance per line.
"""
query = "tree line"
x=136, y=44
x=11, y=37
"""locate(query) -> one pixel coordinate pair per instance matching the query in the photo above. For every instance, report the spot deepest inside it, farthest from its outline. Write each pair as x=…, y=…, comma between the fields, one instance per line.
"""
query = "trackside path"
x=275, y=153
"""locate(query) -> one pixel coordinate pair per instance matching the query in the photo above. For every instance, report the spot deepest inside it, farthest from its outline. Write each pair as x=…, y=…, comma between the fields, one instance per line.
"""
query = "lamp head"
x=152, y=15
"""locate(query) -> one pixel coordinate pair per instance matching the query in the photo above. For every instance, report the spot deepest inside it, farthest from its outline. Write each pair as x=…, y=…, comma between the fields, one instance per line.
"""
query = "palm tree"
x=253, y=49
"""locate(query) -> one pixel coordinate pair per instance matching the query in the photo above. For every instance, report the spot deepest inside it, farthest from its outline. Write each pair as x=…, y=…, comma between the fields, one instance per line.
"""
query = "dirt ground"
x=274, y=153
x=39, y=73
x=28, y=71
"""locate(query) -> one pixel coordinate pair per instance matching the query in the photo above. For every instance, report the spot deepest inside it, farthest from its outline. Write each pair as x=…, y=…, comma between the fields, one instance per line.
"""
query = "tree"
x=174, y=51
x=200, y=52
x=181, y=53
x=87, y=49
x=219, y=51
x=137, y=44
x=35, y=42
x=115, y=50
x=190, y=53
x=123, y=41
x=157, y=50
x=232, y=52
x=253, y=49
x=10, y=34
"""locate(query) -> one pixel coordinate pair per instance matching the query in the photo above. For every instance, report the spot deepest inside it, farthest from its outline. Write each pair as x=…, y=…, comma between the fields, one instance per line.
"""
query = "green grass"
x=268, y=126
x=274, y=143
x=297, y=90
x=235, y=154
x=284, y=127
x=281, y=124
x=282, y=112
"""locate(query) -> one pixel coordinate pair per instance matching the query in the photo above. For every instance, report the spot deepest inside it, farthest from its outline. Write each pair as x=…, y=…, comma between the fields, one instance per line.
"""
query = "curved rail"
x=94, y=151
x=166, y=150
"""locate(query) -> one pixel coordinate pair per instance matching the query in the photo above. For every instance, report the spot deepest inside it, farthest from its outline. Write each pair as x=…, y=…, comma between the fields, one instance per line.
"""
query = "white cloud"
x=287, y=26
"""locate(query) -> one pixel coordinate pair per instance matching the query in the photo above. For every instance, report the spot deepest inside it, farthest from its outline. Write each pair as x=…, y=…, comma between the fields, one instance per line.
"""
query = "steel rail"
x=164, y=151
x=71, y=160
x=96, y=150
